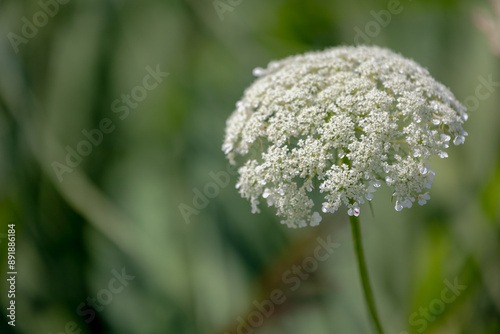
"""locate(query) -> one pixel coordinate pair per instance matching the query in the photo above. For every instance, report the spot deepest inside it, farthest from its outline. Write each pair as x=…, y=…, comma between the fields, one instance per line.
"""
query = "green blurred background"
x=120, y=209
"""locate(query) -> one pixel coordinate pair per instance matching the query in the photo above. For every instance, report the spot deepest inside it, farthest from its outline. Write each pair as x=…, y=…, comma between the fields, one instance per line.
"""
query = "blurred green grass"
x=120, y=206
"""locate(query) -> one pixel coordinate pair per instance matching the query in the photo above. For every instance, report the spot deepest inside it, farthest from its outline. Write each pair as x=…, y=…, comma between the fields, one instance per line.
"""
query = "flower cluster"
x=340, y=122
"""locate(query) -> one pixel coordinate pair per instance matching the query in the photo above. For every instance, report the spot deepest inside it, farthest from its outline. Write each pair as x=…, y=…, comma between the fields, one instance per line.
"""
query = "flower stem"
x=363, y=272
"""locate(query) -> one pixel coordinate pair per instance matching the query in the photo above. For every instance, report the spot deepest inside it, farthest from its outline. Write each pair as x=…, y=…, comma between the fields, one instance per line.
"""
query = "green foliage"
x=119, y=207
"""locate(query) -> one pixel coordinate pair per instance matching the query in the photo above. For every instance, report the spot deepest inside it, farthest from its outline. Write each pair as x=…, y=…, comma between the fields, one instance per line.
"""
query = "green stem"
x=358, y=246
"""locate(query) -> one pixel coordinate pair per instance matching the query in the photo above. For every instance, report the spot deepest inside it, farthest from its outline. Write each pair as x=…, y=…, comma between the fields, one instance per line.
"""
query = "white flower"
x=389, y=180
x=337, y=122
x=443, y=154
x=459, y=140
x=315, y=219
x=423, y=198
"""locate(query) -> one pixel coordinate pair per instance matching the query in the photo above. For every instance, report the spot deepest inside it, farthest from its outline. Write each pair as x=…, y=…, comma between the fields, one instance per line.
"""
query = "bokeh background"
x=121, y=208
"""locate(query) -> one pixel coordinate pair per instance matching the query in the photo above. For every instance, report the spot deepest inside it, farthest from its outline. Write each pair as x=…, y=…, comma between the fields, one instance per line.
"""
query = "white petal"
x=258, y=71
x=443, y=154
x=315, y=219
x=459, y=140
